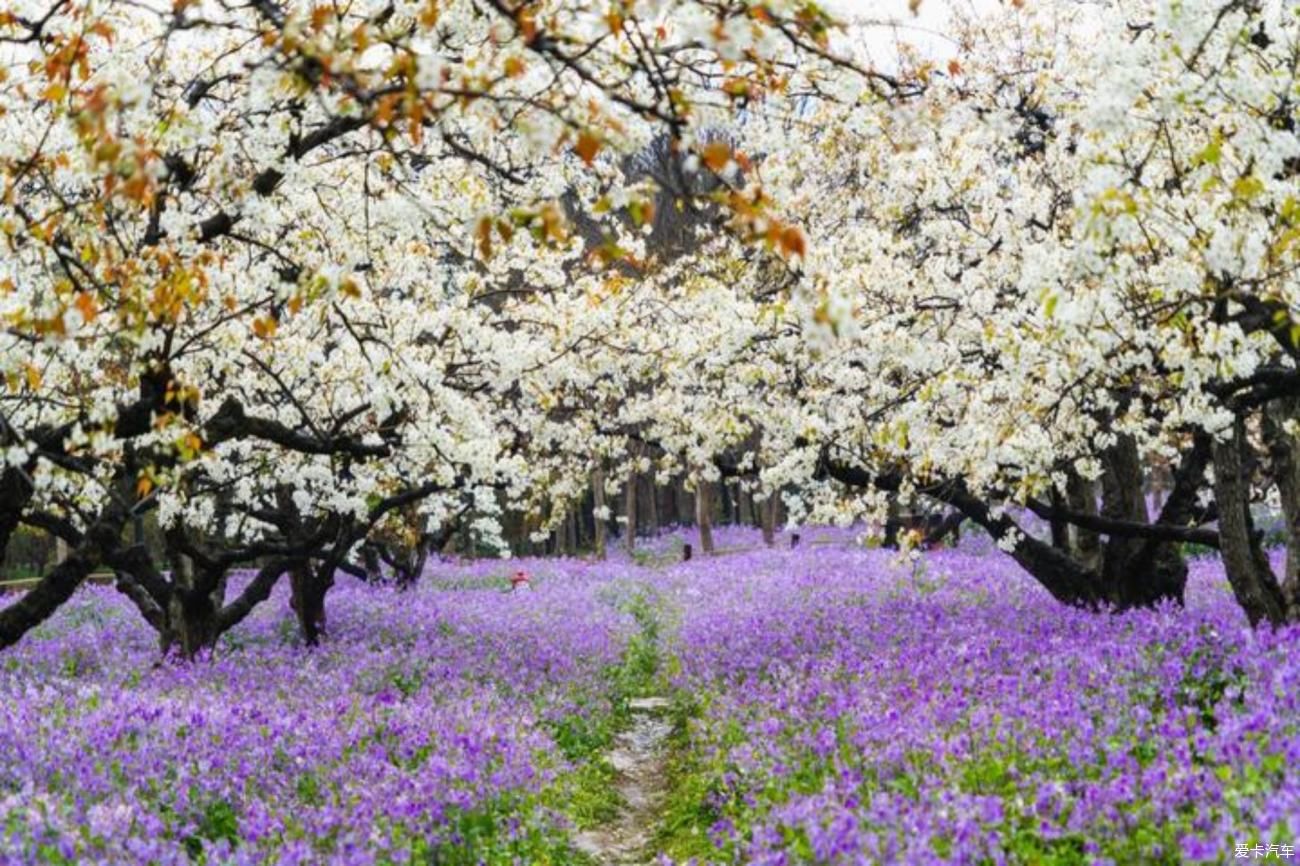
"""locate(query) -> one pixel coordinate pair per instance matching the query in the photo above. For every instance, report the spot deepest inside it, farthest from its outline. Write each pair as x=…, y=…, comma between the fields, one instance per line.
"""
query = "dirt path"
x=639, y=759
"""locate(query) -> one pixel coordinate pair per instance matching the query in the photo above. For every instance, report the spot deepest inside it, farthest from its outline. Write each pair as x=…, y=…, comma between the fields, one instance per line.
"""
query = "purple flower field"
x=831, y=705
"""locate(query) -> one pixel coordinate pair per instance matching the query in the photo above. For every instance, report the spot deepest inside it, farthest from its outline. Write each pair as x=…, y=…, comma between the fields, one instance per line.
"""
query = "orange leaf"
x=429, y=15
x=86, y=305
x=527, y=18
x=792, y=242
x=587, y=147
x=484, y=233
x=716, y=155
x=264, y=327
x=954, y=68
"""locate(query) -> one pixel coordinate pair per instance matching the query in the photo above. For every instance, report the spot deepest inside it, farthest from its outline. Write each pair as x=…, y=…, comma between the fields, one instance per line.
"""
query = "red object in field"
x=518, y=579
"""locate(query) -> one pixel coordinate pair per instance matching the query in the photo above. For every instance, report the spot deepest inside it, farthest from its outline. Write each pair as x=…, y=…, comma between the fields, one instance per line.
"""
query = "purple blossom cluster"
x=853, y=707
x=423, y=707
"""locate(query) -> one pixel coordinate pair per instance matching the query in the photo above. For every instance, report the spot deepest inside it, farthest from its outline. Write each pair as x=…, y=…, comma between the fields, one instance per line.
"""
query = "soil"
x=640, y=760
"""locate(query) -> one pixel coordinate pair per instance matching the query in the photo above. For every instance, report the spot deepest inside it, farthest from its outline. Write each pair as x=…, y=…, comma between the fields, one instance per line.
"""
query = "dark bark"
x=1060, y=529
x=768, y=510
x=58, y=585
x=1136, y=573
x=308, y=602
x=704, y=515
x=1249, y=573
x=650, y=507
x=598, y=506
x=257, y=591
x=1066, y=579
x=1080, y=496
x=893, y=517
x=1284, y=454
x=629, y=512
x=744, y=507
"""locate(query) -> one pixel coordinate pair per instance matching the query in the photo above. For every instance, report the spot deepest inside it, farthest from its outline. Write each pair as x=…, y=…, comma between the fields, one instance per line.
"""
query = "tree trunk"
x=308, y=602
x=1252, y=580
x=1060, y=574
x=1136, y=573
x=744, y=507
x=374, y=568
x=598, y=506
x=768, y=516
x=191, y=623
x=1081, y=494
x=629, y=512
x=683, y=503
x=893, y=522
x=192, y=610
x=651, y=509
x=1060, y=529
x=413, y=563
x=1284, y=451
x=704, y=514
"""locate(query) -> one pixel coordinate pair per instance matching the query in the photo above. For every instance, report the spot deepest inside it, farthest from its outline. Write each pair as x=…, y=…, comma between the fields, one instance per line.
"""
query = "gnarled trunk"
x=1249, y=573
x=192, y=612
x=308, y=602
x=1085, y=545
x=1135, y=572
x=1284, y=453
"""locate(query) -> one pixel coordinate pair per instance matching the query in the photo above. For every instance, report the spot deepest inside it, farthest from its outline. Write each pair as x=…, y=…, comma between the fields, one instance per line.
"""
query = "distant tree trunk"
x=374, y=568
x=412, y=563
x=893, y=522
x=466, y=539
x=651, y=509
x=744, y=507
x=1249, y=573
x=582, y=522
x=629, y=512
x=598, y=506
x=1284, y=451
x=768, y=509
x=557, y=537
x=704, y=514
x=684, y=503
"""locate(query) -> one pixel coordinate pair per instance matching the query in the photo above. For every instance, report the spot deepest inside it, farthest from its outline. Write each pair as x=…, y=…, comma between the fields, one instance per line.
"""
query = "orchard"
x=692, y=432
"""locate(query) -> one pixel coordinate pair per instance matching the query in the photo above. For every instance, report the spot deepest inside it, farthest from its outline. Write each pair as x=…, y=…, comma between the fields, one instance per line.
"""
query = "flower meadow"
x=830, y=704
